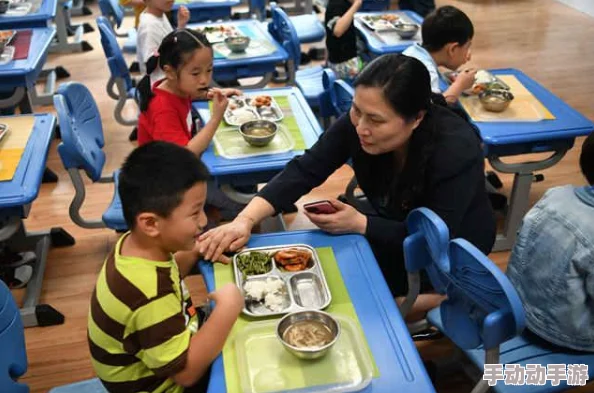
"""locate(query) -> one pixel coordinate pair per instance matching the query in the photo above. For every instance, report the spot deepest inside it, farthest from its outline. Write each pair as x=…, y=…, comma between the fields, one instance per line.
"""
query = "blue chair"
x=483, y=314
x=13, y=356
x=82, y=148
x=119, y=74
x=114, y=13
x=341, y=97
x=309, y=28
x=308, y=80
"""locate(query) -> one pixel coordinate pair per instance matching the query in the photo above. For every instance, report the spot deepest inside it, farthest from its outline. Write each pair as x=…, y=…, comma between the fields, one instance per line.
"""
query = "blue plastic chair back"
x=13, y=356
x=375, y=5
x=115, y=59
x=112, y=10
x=81, y=129
x=482, y=306
x=326, y=107
x=426, y=246
x=282, y=30
x=341, y=97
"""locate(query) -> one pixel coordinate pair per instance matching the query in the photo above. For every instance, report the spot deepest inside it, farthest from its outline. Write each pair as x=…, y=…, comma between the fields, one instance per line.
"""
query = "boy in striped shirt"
x=144, y=333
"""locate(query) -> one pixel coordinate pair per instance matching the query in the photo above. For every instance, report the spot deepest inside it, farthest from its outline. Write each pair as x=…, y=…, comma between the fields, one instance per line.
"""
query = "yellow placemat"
x=288, y=121
x=341, y=304
x=525, y=107
x=13, y=144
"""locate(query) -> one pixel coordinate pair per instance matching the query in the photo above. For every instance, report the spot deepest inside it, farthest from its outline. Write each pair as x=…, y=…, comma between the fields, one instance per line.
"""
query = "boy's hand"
x=183, y=17
x=229, y=298
x=357, y=4
x=219, y=102
x=465, y=78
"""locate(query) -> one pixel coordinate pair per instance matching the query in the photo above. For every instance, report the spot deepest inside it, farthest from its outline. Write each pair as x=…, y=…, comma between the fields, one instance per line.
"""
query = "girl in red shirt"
x=186, y=58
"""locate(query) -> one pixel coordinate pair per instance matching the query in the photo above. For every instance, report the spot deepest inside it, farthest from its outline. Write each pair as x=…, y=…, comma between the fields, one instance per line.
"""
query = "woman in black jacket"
x=406, y=153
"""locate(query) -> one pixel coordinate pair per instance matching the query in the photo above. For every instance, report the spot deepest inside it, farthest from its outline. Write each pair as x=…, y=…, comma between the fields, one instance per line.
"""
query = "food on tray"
x=243, y=115
x=260, y=101
x=259, y=132
x=271, y=291
x=483, y=81
x=390, y=17
x=252, y=263
x=5, y=35
x=308, y=334
x=292, y=259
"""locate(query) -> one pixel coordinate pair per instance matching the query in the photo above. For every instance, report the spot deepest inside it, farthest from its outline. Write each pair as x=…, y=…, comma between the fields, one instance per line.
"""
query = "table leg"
x=33, y=313
x=520, y=194
x=62, y=44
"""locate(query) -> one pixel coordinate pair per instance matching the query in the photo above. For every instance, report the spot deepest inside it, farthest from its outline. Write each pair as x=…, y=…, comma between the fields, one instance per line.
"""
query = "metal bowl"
x=247, y=131
x=238, y=43
x=496, y=100
x=310, y=315
x=406, y=30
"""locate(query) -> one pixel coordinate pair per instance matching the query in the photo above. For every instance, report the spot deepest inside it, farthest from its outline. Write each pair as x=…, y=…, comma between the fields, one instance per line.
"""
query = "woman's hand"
x=347, y=219
x=219, y=103
x=228, y=237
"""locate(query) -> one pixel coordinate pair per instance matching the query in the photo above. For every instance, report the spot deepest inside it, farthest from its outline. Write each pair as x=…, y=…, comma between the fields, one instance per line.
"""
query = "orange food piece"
x=295, y=267
x=292, y=259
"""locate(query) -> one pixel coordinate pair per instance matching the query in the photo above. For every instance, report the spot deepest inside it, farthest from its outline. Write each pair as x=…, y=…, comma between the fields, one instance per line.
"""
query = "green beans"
x=254, y=262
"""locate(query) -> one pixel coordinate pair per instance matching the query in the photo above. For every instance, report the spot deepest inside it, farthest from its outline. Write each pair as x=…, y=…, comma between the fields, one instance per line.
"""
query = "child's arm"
x=346, y=20
x=464, y=81
x=208, y=342
x=199, y=143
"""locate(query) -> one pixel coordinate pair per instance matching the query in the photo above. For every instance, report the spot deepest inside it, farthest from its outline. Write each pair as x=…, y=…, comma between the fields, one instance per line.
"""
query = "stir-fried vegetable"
x=252, y=263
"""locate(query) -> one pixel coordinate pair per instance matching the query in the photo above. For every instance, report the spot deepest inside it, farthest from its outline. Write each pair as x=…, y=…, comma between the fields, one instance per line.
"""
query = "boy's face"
x=458, y=55
x=161, y=5
x=179, y=231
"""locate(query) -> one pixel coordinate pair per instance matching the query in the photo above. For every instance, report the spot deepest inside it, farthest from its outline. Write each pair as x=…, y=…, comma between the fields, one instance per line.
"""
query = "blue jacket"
x=552, y=267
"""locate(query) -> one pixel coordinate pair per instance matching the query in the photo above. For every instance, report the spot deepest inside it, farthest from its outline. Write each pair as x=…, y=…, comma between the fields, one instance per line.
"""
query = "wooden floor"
x=549, y=41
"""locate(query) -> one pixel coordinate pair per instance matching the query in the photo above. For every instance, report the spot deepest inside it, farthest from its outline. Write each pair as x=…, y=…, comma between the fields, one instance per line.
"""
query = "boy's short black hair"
x=587, y=159
x=155, y=177
x=444, y=25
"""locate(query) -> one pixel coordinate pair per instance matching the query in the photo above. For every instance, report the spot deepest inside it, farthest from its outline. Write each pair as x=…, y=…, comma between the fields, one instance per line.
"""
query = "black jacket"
x=452, y=185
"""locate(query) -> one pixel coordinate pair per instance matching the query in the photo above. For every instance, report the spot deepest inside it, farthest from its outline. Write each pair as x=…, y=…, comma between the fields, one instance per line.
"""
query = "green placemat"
x=289, y=121
x=341, y=304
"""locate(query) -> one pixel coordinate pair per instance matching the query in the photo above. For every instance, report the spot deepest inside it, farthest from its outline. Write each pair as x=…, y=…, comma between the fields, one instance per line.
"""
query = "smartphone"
x=320, y=207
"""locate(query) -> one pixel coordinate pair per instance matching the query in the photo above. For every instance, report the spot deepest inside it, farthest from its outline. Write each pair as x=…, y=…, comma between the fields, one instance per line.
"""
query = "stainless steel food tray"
x=272, y=112
x=303, y=290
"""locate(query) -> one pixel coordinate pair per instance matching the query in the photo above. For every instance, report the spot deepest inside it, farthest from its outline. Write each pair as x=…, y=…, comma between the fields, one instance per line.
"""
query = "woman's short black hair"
x=445, y=25
x=404, y=80
x=587, y=159
x=155, y=177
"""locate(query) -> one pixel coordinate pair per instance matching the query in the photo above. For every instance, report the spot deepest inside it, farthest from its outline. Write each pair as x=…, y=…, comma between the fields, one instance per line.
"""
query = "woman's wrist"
x=244, y=218
x=361, y=224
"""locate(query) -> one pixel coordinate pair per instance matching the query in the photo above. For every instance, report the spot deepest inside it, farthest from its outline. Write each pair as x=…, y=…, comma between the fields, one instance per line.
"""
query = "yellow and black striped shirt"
x=140, y=324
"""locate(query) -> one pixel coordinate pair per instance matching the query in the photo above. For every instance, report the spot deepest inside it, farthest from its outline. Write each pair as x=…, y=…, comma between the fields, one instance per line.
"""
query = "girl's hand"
x=183, y=17
x=231, y=92
x=219, y=103
x=346, y=220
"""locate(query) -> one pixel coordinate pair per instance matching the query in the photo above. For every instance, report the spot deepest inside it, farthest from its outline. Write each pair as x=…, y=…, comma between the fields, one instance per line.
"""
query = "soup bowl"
x=258, y=133
x=315, y=319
